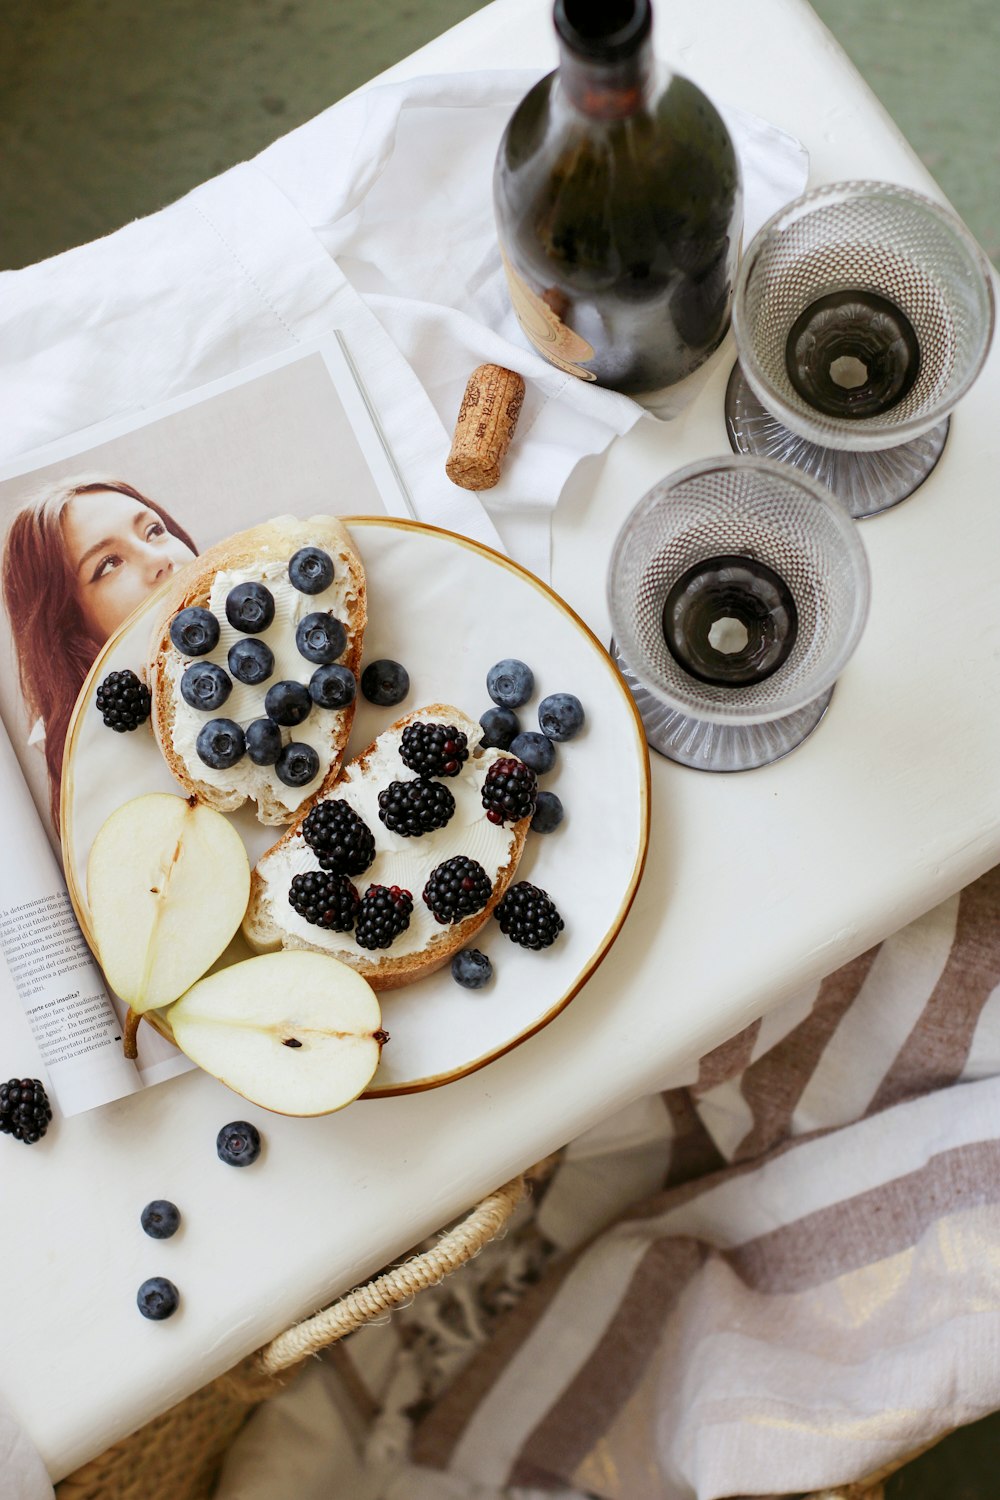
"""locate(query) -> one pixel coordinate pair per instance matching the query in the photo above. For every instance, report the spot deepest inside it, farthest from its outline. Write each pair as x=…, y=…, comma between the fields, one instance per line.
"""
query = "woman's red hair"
x=55, y=649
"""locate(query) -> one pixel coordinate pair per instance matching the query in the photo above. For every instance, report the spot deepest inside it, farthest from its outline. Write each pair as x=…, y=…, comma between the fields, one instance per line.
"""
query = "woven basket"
x=178, y=1455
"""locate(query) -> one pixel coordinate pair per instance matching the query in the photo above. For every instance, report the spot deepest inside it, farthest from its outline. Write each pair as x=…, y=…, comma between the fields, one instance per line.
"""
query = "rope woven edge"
x=393, y=1287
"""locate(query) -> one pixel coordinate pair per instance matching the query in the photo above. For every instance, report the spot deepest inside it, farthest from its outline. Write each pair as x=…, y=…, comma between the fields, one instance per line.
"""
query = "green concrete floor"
x=109, y=108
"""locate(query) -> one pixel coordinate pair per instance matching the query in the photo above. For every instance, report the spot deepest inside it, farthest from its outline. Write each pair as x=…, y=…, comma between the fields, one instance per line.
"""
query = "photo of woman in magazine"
x=76, y=562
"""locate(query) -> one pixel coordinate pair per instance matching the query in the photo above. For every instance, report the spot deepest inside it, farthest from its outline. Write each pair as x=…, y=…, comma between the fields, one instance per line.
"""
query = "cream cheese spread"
x=246, y=703
x=406, y=862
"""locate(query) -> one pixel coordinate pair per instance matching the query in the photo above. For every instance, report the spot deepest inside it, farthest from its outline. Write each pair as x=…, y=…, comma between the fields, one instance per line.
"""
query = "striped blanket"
x=782, y=1273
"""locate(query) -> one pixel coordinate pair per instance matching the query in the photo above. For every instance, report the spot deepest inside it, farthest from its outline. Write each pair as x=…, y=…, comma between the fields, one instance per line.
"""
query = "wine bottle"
x=619, y=207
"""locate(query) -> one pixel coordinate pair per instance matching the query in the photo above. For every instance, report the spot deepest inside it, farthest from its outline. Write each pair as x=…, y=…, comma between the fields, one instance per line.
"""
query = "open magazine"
x=89, y=528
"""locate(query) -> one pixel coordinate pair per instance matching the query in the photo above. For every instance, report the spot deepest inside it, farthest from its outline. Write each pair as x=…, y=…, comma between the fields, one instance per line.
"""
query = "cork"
x=486, y=421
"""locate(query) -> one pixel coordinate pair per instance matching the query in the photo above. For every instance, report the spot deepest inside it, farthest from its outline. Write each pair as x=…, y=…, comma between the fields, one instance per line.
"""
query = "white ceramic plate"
x=447, y=609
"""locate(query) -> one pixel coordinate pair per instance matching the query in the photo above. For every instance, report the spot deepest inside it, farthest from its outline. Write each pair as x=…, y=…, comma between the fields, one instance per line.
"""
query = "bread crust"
x=272, y=541
x=265, y=934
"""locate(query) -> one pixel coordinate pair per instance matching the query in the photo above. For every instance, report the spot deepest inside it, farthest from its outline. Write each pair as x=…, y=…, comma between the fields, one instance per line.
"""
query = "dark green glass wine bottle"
x=619, y=207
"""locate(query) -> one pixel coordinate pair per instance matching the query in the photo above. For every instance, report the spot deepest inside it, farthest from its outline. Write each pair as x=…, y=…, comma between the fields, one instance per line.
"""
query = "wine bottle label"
x=544, y=327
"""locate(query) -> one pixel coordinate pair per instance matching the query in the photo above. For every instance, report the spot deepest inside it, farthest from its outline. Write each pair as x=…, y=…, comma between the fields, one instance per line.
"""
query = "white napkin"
x=24, y=1474
x=376, y=218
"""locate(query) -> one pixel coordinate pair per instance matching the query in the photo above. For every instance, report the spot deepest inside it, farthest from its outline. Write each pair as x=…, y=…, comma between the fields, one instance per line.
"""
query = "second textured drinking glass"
x=738, y=589
x=862, y=315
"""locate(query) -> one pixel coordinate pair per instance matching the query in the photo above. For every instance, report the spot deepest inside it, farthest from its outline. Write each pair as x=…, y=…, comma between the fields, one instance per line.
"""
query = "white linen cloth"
x=375, y=217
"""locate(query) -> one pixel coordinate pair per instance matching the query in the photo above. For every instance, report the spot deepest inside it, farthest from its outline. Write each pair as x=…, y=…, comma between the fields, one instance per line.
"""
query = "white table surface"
x=755, y=885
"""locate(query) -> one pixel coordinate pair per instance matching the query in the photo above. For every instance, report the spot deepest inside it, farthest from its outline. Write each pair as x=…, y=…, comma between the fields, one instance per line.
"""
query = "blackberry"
x=434, y=749
x=24, y=1109
x=456, y=889
x=412, y=808
x=324, y=899
x=339, y=837
x=528, y=917
x=123, y=701
x=383, y=914
x=509, y=791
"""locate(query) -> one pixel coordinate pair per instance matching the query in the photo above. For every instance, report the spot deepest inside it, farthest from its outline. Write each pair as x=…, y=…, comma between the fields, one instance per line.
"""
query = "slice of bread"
x=271, y=922
x=261, y=554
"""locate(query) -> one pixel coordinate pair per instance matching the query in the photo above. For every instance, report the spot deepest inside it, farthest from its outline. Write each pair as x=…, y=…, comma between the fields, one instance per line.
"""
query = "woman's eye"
x=105, y=566
x=155, y=528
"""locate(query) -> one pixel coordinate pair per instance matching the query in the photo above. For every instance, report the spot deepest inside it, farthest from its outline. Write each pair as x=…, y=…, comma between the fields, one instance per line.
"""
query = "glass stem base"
x=705, y=746
x=867, y=483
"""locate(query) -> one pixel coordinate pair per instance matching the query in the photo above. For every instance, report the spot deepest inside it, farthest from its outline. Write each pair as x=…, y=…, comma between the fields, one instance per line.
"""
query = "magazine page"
x=88, y=530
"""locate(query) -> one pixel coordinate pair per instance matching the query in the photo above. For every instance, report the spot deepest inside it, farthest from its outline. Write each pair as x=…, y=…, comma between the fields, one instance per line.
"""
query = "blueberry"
x=250, y=607
x=157, y=1298
x=320, y=638
x=297, y=765
x=385, y=682
x=238, y=1143
x=536, y=750
x=205, y=686
x=499, y=727
x=560, y=716
x=510, y=683
x=471, y=969
x=263, y=742
x=160, y=1219
x=251, y=661
x=221, y=744
x=195, y=631
x=548, y=812
x=287, y=703
x=311, y=570
x=332, y=686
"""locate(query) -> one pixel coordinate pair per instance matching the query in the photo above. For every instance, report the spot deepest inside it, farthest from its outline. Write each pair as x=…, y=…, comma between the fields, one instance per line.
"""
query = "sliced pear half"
x=295, y=1032
x=168, y=882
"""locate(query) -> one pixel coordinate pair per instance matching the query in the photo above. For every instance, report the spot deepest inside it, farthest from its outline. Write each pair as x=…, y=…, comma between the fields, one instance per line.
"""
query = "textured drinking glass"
x=738, y=589
x=863, y=313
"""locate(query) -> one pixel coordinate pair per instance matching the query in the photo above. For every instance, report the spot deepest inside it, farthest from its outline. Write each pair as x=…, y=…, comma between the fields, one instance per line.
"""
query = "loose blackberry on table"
x=509, y=791
x=528, y=917
x=339, y=837
x=413, y=808
x=433, y=749
x=457, y=888
x=383, y=914
x=25, y=1111
x=123, y=701
x=324, y=899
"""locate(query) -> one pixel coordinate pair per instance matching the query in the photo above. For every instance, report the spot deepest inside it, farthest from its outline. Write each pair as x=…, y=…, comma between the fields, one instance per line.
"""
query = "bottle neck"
x=606, y=65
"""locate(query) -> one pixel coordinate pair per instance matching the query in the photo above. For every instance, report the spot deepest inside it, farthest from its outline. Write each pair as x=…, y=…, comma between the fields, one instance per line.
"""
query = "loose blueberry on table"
x=471, y=969
x=123, y=701
x=238, y=1143
x=160, y=1219
x=510, y=682
x=194, y=631
x=561, y=716
x=536, y=750
x=157, y=1298
x=250, y=607
x=310, y=570
x=385, y=682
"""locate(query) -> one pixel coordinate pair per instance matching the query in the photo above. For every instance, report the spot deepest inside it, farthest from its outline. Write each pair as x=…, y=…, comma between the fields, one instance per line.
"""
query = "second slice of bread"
x=271, y=923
